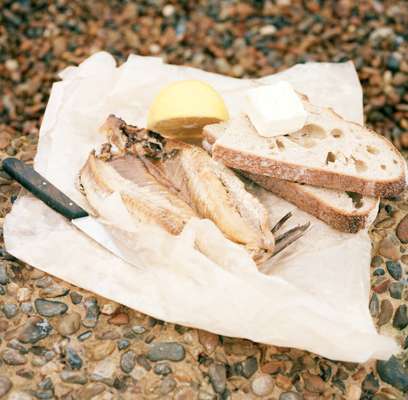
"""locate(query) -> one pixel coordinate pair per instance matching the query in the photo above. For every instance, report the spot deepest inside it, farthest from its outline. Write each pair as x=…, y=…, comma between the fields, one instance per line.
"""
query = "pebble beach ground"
x=61, y=342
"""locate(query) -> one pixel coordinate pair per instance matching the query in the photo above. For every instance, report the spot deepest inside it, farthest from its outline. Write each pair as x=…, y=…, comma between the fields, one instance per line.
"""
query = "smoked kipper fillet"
x=327, y=152
x=344, y=211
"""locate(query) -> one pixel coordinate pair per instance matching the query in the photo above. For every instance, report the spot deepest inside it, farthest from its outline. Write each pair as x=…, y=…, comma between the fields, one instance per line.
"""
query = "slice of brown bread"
x=347, y=212
x=327, y=152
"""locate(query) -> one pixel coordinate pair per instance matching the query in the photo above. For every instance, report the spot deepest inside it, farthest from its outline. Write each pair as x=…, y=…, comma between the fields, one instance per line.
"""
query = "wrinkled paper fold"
x=313, y=296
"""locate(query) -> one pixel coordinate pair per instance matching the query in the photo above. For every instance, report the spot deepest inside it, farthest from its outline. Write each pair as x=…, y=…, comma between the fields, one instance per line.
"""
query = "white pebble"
x=154, y=48
x=262, y=385
x=11, y=64
x=23, y=294
x=168, y=10
x=268, y=30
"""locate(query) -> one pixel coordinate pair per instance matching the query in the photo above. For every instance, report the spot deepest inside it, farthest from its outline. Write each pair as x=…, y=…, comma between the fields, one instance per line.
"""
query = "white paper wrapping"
x=314, y=296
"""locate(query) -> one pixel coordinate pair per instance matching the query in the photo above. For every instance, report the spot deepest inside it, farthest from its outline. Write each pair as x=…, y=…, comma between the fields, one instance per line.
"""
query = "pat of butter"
x=275, y=109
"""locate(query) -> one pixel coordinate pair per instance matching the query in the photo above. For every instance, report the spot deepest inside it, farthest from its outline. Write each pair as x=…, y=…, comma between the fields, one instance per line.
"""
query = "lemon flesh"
x=183, y=108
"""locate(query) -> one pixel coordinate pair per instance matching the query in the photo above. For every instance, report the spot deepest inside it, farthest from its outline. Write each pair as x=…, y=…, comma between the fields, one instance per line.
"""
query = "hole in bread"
x=360, y=165
x=372, y=149
x=302, y=141
x=395, y=161
x=336, y=133
x=280, y=144
x=313, y=131
x=331, y=157
x=383, y=166
x=356, y=198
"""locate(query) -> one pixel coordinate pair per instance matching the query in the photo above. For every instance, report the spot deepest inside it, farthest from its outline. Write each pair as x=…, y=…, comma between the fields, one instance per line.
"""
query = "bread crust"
x=346, y=222
x=259, y=165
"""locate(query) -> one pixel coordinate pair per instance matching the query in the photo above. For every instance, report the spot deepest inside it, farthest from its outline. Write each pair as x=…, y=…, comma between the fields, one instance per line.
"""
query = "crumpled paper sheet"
x=313, y=296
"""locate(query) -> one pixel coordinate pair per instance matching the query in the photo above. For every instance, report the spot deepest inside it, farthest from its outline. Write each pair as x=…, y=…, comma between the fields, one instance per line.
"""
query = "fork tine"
x=289, y=237
x=280, y=223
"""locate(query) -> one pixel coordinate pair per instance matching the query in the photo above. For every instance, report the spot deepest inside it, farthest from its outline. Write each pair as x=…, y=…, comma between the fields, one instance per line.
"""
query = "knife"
x=45, y=191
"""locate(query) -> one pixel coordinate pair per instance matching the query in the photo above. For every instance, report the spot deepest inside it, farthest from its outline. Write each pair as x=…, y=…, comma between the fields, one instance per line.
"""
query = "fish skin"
x=210, y=188
x=149, y=202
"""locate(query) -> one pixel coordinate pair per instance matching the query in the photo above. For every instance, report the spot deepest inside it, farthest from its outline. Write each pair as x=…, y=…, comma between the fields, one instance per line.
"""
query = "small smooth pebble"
x=73, y=377
x=13, y=357
x=370, y=384
x=374, y=305
x=99, y=350
x=23, y=294
x=72, y=358
x=92, y=312
x=402, y=230
x=4, y=279
x=128, y=361
x=68, y=324
x=314, y=383
x=34, y=330
x=394, y=373
x=5, y=385
x=170, y=351
x=386, y=311
x=54, y=291
x=396, y=289
x=76, y=298
x=249, y=367
x=218, y=377
x=104, y=369
x=394, y=269
x=49, y=308
x=168, y=384
x=10, y=310
x=290, y=396
x=27, y=308
x=400, y=320
x=84, y=336
x=208, y=340
x=262, y=385
x=162, y=369
x=123, y=344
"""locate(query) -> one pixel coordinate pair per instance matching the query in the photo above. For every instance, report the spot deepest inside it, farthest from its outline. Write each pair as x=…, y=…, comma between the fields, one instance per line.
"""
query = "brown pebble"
x=314, y=383
x=283, y=382
x=208, y=340
x=381, y=286
x=119, y=319
x=386, y=311
x=99, y=350
x=90, y=391
x=402, y=230
x=68, y=324
x=389, y=248
x=272, y=367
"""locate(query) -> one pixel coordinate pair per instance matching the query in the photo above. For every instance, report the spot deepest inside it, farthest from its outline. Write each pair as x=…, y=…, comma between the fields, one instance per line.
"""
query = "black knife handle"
x=31, y=180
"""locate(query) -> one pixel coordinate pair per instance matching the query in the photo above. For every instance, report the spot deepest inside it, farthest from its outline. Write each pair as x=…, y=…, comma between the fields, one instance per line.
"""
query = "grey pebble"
x=168, y=384
x=84, y=336
x=262, y=385
x=73, y=377
x=218, y=377
x=16, y=345
x=27, y=308
x=138, y=329
x=49, y=355
x=13, y=357
x=370, y=384
x=396, y=289
x=393, y=372
x=44, y=282
x=290, y=396
x=92, y=313
x=76, y=298
x=123, y=344
x=49, y=308
x=72, y=358
x=374, y=305
x=5, y=385
x=54, y=291
x=4, y=279
x=2, y=290
x=249, y=367
x=170, y=351
x=34, y=330
x=128, y=361
x=143, y=362
x=46, y=384
x=394, y=269
x=162, y=369
x=10, y=310
x=400, y=320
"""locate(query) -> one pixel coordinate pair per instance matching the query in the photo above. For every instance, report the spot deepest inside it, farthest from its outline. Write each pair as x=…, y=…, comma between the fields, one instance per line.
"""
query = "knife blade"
x=45, y=191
